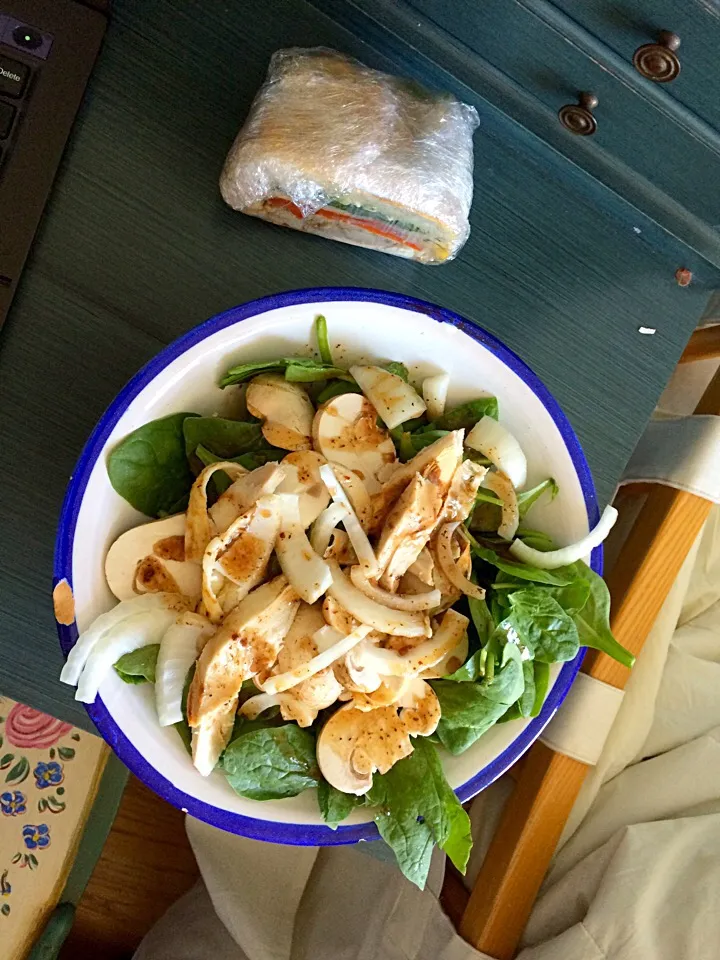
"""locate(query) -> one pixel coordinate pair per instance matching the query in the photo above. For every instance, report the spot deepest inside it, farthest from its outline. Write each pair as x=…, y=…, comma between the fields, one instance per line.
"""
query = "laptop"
x=47, y=51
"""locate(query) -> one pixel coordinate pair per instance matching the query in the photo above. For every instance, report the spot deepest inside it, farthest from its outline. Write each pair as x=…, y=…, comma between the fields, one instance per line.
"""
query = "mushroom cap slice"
x=356, y=743
x=345, y=431
x=247, y=643
x=151, y=559
x=284, y=408
x=244, y=492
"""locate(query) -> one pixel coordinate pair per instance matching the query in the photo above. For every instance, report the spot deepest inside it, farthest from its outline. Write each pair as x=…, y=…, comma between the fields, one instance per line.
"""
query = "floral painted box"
x=49, y=773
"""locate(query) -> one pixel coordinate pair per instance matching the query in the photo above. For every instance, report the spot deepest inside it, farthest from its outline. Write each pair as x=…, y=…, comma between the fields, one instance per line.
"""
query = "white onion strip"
x=358, y=537
x=500, y=483
x=291, y=678
x=308, y=573
x=256, y=705
x=449, y=566
x=574, y=551
x=399, y=623
x=179, y=648
x=396, y=601
x=434, y=391
x=322, y=529
x=495, y=442
x=199, y=527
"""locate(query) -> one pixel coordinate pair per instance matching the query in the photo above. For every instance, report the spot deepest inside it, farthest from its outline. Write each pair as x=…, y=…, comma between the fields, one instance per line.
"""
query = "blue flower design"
x=13, y=803
x=48, y=774
x=36, y=837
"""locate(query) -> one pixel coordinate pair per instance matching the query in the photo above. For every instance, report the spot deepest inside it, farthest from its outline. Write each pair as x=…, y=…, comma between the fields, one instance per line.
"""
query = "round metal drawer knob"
x=658, y=61
x=578, y=117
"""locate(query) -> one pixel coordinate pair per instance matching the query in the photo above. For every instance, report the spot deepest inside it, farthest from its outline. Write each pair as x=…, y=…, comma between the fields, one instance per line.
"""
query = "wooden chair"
x=493, y=917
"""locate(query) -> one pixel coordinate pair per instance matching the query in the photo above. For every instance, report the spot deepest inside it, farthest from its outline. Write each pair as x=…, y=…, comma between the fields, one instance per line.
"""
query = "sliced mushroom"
x=302, y=477
x=247, y=643
x=356, y=743
x=151, y=559
x=449, y=663
x=211, y=735
x=244, y=492
x=345, y=431
x=284, y=408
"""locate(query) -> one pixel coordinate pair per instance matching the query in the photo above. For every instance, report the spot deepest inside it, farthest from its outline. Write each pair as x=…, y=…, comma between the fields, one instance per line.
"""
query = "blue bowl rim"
x=252, y=827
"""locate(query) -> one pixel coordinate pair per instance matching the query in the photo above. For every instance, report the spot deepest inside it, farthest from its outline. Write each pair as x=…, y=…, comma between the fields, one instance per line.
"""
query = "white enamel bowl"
x=370, y=326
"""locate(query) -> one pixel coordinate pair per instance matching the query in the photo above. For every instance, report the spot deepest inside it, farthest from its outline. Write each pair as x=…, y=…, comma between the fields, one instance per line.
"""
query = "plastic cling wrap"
x=334, y=148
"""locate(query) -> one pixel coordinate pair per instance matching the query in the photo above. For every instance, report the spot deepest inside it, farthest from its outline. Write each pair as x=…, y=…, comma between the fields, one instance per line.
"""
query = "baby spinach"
x=416, y=805
x=272, y=762
x=323, y=342
x=543, y=626
x=528, y=497
x=524, y=571
x=149, y=469
x=138, y=666
x=336, y=388
x=399, y=369
x=226, y=438
x=298, y=369
x=334, y=805
x=467, y=414
x=593, y=620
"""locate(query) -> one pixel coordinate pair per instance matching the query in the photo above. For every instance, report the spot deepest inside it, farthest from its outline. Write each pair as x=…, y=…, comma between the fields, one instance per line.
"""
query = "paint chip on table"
x=647, y=330
x=64, y=603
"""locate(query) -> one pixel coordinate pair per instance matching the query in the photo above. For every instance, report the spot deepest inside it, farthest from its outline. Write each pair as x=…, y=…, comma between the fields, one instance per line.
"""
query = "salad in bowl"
x=340, y=587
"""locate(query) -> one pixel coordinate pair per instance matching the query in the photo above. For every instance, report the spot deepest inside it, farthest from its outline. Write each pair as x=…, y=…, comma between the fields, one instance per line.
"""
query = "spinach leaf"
x=522, y=708
x=543, y=626
x=336, y=388
x=416, y=788
x=542, y=682
x=299, y=369
x=467, y=414
x=571, y=598
x=536, y=538
x=334, y=805
x=528, y=497
x=272, y=762
x=593, y=620
x=182, y=726
x=226, y=438
x=248, y=460
x=524, y=571
x=321, y=332
x=139, y=665
x=466, y=713
x=470, y=709
x=399, y=369
x=482, y=621
x=471, y=670
x=149, y=468
x=403, y=441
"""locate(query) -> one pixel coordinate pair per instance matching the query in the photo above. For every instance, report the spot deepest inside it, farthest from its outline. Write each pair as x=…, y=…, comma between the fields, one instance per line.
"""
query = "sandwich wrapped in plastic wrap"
x=334, y=148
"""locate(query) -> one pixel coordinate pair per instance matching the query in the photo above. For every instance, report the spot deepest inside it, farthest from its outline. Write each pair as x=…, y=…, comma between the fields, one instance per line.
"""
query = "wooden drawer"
x=626, y=25
x=534, y=48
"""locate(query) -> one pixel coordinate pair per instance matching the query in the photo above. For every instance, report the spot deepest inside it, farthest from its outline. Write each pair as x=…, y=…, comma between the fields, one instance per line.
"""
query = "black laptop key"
x=13, y=77
x=6, y=118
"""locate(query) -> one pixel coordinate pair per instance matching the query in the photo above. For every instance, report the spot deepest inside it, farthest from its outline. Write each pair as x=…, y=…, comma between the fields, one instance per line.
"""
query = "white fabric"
x=679, y=452
x=638, y=871
x=581, y=726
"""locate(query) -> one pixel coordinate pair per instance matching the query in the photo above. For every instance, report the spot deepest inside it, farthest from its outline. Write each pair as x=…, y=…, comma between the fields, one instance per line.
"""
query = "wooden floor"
x=145, y=866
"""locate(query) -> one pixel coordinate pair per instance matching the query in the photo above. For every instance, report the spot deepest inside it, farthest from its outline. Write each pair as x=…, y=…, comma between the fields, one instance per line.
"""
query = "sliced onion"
x=179, y=648
x=390, y=663
x=358, y=537
x=449, y=565
x=308, y=573
x=322, y=529
x=199, y=527
x=501, y=484
x=574, y=551
x=256, y=705
x=500, y=447
x=244, y=492
x=399, y=623
x=396, y=601
x=139, y=630
x=435, y=390
x=291, y=678
x=88, y=639
x=394, y=399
